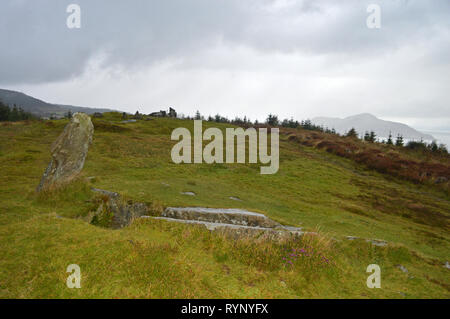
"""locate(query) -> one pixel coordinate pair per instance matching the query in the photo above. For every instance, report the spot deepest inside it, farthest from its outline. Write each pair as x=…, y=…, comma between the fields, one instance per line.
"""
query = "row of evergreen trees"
x=13, y=114
x=416, y=145
x=271, y=120
x=370, y=137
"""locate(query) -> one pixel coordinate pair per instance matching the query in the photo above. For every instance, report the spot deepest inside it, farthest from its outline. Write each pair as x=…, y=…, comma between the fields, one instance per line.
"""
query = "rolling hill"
x=342, y=202
x=41, y=108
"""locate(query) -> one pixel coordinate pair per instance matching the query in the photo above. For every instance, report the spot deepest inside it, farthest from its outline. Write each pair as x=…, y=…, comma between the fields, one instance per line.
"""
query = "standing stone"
x=69, y=152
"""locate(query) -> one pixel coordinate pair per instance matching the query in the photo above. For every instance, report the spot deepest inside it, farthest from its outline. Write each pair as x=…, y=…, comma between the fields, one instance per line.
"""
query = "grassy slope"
x=312, y=189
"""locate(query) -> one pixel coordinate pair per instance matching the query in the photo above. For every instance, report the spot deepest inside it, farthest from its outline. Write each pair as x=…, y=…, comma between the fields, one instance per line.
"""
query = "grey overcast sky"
x=296, y=59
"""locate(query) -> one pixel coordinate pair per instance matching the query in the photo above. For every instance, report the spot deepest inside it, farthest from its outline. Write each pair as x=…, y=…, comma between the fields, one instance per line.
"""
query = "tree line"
x=13, y=114
x=370, y=137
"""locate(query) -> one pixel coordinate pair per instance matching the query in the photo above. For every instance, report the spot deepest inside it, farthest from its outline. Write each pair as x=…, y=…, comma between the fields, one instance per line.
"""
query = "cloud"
x=298, y=58
x=40, y=48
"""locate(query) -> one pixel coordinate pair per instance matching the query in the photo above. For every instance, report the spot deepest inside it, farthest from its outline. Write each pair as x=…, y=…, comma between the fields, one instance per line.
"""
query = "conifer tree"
x=367, y=137
x=399, y=140
x=352, y=133
x=389, y=141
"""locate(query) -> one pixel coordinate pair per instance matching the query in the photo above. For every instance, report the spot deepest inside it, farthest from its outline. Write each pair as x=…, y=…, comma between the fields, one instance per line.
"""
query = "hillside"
x=320, y=191
x=41, y=108
x=367, y=122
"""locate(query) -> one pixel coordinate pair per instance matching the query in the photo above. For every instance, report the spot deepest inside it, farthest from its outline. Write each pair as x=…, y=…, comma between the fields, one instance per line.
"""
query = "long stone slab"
x=221, y=216
x=239, y=230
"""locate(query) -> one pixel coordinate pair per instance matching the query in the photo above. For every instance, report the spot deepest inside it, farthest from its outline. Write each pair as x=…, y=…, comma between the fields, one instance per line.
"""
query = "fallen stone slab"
x=220, y=215
x=238, y=231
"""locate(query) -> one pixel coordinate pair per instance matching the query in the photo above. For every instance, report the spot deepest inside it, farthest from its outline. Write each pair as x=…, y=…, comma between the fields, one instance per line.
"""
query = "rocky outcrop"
x=115, y=212
x=69, y=152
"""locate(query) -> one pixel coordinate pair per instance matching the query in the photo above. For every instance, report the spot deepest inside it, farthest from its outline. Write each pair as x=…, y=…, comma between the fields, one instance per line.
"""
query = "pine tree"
x=198, y=116
x=14, y=114
x=389, y=141
x=352, y=133
x=367, y=137
x=4, y=112
x=372, y=137
x=272, y=120
x=433, y=146
x=399, y=140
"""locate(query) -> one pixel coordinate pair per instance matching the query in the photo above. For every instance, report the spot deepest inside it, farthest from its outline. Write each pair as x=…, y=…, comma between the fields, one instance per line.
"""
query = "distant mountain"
x=41, y=108
x=368, y=122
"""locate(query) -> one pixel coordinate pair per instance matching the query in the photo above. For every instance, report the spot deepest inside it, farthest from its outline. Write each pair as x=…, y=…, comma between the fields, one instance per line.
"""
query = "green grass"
x=40, y=235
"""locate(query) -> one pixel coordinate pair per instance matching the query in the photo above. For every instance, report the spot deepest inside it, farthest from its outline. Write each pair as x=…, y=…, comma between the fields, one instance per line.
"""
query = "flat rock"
x=238, y=231
x=220, y=215
x=188, y=193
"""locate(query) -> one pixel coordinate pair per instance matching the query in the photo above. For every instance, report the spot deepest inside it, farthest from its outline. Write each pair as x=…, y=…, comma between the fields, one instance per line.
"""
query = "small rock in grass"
x=402, y=268
x=377, y=242
x=235, y=198
x=188, y=193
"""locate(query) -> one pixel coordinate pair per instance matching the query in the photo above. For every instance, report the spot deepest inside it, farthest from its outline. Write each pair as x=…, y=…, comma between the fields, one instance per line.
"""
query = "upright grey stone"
x=69, y=152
